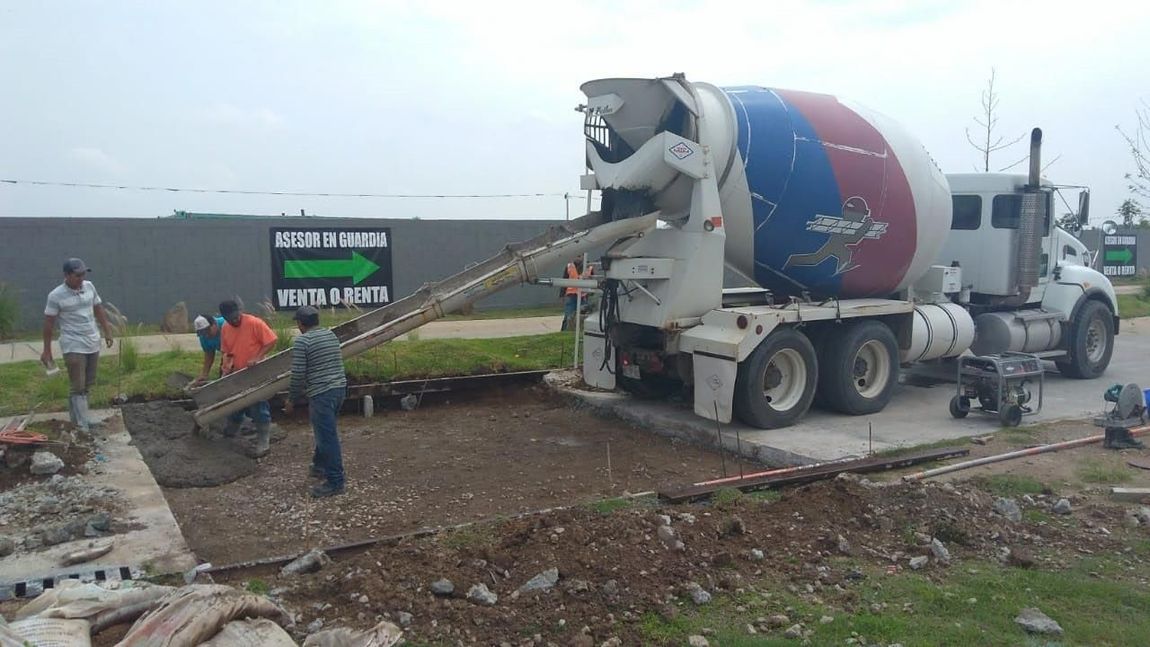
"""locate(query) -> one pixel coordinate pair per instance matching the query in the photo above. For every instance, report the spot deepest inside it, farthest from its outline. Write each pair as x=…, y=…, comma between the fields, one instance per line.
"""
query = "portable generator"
x=1001, y=383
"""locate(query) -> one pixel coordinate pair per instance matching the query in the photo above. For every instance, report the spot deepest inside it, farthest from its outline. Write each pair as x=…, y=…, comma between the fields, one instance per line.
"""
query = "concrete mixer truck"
x=857, y=255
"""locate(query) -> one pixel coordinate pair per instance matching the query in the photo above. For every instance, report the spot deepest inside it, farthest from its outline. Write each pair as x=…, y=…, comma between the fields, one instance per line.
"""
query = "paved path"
x=22, y=351
x=918, y=413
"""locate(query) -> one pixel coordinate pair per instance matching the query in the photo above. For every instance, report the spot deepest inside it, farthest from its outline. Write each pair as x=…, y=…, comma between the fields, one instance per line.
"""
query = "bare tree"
x=1139, y=143
x=989, y=142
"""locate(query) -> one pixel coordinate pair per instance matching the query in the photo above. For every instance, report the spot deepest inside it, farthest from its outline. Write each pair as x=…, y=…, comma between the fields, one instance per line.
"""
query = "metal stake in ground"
x=719, y=437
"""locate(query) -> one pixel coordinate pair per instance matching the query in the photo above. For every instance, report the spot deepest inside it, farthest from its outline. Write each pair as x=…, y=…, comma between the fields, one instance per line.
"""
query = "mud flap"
x=596, y=373
x=714, y=385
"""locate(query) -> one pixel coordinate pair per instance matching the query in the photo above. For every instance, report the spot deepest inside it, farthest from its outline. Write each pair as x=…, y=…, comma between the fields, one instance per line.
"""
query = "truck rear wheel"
x=776, y=383
x=1090, y=343
x=858, y=368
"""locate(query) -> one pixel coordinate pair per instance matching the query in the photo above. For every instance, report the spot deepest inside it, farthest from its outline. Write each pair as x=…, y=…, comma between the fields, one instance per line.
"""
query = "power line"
x=124, y=187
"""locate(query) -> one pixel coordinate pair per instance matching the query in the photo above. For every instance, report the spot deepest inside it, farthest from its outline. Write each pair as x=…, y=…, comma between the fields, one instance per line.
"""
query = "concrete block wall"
x=145, y=266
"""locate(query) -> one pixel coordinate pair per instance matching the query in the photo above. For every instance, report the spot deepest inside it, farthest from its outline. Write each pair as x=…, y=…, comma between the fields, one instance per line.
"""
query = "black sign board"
x=325, y=266
x=1120, y=255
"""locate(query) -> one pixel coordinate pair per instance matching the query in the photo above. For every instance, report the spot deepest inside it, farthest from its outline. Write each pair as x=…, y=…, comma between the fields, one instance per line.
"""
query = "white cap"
x=200, y=323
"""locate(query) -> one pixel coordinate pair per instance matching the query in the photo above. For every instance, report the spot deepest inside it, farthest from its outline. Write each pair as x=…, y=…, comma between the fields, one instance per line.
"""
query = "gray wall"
x=146, y=266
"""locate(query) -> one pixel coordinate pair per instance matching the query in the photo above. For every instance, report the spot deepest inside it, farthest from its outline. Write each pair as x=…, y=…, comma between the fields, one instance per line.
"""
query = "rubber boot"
x=72, y=417
x=79, y=403
x=263, y=438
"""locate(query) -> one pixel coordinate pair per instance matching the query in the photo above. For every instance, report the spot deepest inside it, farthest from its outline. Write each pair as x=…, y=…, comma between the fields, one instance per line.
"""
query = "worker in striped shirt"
x=317, y=372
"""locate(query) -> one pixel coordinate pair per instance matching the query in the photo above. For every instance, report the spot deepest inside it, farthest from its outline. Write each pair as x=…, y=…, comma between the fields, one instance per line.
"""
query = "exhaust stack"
x=1031, y=219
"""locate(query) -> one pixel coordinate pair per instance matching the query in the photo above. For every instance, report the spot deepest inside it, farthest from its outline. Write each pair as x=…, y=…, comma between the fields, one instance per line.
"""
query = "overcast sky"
x=477, y=97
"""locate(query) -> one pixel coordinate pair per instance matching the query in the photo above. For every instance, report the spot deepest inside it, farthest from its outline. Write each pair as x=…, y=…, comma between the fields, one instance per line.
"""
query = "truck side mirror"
x=1083, y=208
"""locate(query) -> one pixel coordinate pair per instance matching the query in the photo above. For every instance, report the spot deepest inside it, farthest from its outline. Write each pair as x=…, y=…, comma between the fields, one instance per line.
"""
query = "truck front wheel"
x=1090, y=343
x=858, y=368
x=776, y=383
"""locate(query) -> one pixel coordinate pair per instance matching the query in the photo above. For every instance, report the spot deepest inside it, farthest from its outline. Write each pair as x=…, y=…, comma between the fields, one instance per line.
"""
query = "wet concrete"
x=177, y=455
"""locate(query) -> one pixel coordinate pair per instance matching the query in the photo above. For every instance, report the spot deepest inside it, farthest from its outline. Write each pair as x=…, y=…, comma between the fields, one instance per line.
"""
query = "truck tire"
x=858, y=368
x=1090, y=342
x=776, y=383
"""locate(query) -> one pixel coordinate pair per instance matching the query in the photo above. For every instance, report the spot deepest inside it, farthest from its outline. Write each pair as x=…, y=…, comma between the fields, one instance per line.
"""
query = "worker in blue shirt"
x=208, y=330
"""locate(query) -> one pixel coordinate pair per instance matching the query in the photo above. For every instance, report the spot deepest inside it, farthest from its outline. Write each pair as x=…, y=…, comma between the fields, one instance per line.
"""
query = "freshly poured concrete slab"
x=917, y=414
x=154, y=545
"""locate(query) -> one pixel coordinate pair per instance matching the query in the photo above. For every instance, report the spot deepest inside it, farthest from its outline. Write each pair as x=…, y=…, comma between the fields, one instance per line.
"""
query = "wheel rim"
x=784, y=380
x=1095, y=341
x=871, y=370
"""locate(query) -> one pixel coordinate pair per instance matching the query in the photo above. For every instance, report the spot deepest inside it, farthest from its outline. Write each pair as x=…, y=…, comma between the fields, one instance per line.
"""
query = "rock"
x=404, y=618
x=33, y=541
x=1027, y=499
x=1020, y=557
x=939, y=550
x=479, y=594
x=1062, y=507
x=442, y=587
x=734, y=526
x=541, y=582
x=826, y=620
x=757, y=555
x=777, y=620
x=698, y=641
x=664, y=520
x=7, y=546
x=45, y=463
x=578, y=586
x=1008, y=508
x=1037, y=622
x=917, y=563
x=315, y=625
x=855, y=574
x=666, y=534
x=100, y=522
x=698, y=595
x=310, y=562
x=57, y=535
x=611, y=588
x=613, y=641
x=176, y=319
x=794, y=631
x=1143, y=514
x=844, y=546
x=50, y=504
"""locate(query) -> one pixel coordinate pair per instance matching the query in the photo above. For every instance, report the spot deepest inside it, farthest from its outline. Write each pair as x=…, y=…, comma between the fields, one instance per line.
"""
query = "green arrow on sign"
x=357, y=268
x=1123, y=255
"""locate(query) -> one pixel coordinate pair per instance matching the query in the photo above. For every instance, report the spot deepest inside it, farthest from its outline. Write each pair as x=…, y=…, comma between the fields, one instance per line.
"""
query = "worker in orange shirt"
x=571, y=295
x=245, y=341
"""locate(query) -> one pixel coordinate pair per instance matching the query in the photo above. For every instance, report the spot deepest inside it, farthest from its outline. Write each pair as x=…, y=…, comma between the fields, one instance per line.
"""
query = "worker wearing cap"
x=245, y=341
x=317, y=372
x=77, y=308
x=208, y=332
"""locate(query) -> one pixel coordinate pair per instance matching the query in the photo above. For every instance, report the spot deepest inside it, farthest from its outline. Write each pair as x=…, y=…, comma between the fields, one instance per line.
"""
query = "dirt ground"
x=443, y=463
x=493, y=456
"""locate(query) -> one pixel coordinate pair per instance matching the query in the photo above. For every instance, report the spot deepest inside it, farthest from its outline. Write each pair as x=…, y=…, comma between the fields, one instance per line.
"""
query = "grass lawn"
x=331, y=318
x=1097, y=602
x=1131, y=306
x=23, y=384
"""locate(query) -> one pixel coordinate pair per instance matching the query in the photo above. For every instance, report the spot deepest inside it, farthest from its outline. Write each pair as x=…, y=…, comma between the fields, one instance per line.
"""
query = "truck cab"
x=1069, y=313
